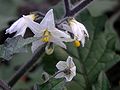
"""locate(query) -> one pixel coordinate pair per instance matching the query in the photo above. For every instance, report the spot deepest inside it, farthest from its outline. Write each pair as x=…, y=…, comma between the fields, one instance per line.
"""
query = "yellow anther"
x=46, y=36
x=76, y=43
x=31, y=16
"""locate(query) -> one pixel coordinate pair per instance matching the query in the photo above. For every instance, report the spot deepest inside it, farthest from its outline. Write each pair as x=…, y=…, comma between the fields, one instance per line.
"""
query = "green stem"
x=39, y=52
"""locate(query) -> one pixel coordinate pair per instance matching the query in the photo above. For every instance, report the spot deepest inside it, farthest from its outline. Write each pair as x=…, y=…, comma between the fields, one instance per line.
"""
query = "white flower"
x=79, y=31
x=47, y=31
x=20, y=26
x=66, y=69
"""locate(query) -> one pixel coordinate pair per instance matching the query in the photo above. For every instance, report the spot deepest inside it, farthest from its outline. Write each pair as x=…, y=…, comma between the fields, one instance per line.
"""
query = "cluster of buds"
x=47, y=32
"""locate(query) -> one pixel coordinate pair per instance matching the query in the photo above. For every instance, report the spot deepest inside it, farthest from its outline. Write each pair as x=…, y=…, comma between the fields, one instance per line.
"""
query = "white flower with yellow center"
x=20, y=26
x=79, y=31
x=66, y=69
x=47, y=31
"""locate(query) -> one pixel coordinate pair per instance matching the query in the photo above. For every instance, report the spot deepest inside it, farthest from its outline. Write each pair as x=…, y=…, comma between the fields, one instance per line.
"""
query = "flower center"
x=67, y=71
x=46, y=36
x=76, y=43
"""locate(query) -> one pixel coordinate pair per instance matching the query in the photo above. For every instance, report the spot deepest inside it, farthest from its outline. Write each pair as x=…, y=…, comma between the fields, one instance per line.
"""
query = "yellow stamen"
x=76, y=43
x=46, y=36
x=32, y=16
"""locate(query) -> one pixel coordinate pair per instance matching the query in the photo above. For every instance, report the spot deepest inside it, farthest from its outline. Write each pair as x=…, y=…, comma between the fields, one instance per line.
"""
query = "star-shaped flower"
x=66, y=69
x=47, y=32
x=20, y=25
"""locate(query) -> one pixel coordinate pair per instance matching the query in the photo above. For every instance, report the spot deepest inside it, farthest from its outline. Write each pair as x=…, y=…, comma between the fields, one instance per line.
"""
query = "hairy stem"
x=26, y=66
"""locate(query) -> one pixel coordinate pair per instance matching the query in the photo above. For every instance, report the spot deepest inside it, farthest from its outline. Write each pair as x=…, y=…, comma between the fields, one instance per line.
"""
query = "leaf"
x=58, y=10
x=14, y=45
x=99, y=7
x=102, y=82
x=99, y=51
x=52, y=85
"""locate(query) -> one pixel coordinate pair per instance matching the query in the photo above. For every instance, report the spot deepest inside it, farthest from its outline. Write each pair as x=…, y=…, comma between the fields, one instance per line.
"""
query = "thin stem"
x=52, y=76
x=79, y=7
x=39, y=52
x=67, y=7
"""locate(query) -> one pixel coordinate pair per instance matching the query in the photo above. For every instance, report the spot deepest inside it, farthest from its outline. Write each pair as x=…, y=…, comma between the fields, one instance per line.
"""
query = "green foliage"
x=8, y=9
x=14, y=45
x=91, y=61
x=97, y=55
x=52, y=85
x=98, y=7
x=102, y=82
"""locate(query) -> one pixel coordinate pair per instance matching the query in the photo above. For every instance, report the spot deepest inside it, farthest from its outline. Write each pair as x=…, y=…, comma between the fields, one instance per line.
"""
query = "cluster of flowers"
x=48, y=33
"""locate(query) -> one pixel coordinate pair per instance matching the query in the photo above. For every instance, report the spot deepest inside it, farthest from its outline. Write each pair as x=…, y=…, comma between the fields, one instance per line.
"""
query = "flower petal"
x=48, y=20
x=58, y=41
x=73, y=71
x=83, y=28
x=35, y=45
x=60, y=75
x=16, y=26
x=83, y=41
x=70, y=62
x=60, y=33
x=61, y=65
x=21, y=31
x=34, y=26
x=69, y=77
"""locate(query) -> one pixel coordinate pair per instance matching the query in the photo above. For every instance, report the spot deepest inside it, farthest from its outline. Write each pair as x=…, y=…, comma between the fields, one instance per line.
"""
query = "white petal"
x=69, y=77
x=83, y=41
x=73, y=71
x=61, y=65
x=60, y=75
x=35, y=45
x=48, y=20
x=70, y=62
x=66, y=27
x=21, y=31
x=60, y=33
x=58, y=41
x=16, y=26
x=35, y=27
x=83, y=28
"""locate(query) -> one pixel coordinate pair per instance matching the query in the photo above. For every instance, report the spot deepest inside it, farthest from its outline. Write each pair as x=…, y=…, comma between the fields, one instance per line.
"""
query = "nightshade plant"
x=86, y=60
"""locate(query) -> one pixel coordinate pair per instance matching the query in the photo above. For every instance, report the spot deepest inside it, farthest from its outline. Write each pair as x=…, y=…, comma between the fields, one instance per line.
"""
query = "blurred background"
x=11, y=10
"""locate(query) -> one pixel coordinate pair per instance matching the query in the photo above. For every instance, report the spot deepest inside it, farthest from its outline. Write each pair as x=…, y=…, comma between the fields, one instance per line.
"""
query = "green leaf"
x=58, y=10
x=99, y=51
x=99, y=7
x=14, y=45
x=102, y=82
x=52, y=85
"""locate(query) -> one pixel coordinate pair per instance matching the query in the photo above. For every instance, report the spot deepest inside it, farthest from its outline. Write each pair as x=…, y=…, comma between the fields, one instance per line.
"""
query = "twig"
x=26, y=66
x=81, y=5
x=67, y=7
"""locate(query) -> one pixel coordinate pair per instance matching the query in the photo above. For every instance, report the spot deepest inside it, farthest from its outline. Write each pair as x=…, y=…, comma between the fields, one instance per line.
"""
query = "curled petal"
x=61, y=65
x=17, y=26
